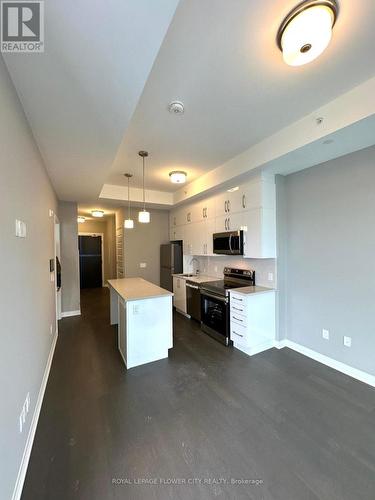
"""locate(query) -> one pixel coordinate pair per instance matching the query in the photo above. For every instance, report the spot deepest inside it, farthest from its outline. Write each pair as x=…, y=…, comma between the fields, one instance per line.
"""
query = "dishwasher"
x=193, y=299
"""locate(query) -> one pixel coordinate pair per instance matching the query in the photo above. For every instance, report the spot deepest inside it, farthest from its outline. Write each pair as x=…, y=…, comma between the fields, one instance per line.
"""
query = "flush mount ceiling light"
x=143, y=215
x=176, y=107
x=81, y=219
x=177, y=176
x=128, y=223
x=307, y=30
x=97, y=213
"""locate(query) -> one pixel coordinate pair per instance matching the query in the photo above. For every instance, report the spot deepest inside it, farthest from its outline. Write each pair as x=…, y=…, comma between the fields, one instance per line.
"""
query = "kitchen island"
x=143, y=313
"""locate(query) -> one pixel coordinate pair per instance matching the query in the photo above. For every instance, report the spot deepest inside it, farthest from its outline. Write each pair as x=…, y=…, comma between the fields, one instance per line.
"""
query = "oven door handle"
x=196, y=287
x=221, y=299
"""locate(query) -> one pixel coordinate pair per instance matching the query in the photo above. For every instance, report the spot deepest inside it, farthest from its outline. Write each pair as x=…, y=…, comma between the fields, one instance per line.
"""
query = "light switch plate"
x=142, y=265
x=270, y=276
x=325, y=334
x=20, y=229
x=347, y=341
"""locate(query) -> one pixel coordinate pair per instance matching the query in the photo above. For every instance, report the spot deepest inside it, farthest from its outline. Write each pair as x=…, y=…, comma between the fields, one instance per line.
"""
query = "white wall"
x=27, y=298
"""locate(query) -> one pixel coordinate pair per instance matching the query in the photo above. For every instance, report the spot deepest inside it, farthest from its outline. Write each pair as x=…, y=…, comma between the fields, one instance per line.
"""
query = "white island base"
x=143, y=313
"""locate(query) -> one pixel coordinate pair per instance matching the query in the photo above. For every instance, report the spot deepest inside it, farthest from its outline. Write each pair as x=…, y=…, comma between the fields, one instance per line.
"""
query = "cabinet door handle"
x=238, y=335
x=237, y=319
x=243, y=201
x=236, y=298
x=237, y=309
x=225, y=224
x=228, y=205
x=225, y=207
x=228, y=224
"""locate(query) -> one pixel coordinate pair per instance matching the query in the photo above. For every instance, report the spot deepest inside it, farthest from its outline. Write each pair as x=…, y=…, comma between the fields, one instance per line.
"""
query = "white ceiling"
x=80, y=94
x=220, y=58
x=92, y=101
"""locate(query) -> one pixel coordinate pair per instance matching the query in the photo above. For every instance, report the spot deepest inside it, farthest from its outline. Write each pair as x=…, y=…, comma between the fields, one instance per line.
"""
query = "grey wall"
x=70, y=291
x=142, y=244
x=330, y=267
x=27, y=297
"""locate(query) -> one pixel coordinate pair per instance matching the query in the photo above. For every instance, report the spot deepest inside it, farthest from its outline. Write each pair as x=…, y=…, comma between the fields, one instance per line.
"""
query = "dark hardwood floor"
x=204, y=417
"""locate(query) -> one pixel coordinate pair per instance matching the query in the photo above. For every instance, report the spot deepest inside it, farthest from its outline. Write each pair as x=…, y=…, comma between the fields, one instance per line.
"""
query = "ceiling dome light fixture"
x=97, y=213
x=307, y=30
x=128, y=223
x=178, y=176
x=81, y=219
x=143, y=215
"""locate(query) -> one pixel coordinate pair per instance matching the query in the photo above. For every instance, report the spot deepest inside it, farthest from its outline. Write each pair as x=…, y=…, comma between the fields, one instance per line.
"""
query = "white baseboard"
x=365, y=377
x=30, y=438
x=67, y=314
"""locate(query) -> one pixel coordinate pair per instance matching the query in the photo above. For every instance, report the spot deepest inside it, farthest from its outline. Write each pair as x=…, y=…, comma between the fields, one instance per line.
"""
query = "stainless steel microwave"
x=229, y=243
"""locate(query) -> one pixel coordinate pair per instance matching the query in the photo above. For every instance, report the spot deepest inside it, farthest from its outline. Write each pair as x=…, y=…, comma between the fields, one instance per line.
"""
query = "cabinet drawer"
x=238, y=334
x=238, y=308
x=238, y=319
x=237, y=300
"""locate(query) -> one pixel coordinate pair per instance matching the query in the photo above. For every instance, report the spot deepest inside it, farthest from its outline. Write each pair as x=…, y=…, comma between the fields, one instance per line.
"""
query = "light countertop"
x=248, y=290
x=197, y=278
x=137, y=289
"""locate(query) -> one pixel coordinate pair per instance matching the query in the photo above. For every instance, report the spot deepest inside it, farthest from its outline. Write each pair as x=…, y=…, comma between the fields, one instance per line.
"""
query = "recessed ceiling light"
x=178, y=177
x=176, y=107
x=232, y=190
x=81, y=219
x=307, y=30
x=97, y=213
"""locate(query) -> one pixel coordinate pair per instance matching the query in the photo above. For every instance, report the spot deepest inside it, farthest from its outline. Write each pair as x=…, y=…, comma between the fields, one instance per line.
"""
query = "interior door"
x=90, y=261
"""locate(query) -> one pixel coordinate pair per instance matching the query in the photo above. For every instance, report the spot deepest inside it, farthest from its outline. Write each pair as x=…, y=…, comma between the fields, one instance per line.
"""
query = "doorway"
x=90, y=260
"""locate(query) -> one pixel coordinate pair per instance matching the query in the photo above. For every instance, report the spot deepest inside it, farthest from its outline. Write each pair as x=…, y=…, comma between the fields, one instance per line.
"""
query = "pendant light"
x=128, y=223
x=143, y=215
x=307, y=30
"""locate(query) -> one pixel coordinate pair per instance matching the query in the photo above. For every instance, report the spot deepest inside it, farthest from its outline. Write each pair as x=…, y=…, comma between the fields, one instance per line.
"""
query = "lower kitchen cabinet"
x=252, y=320
x=179, y=290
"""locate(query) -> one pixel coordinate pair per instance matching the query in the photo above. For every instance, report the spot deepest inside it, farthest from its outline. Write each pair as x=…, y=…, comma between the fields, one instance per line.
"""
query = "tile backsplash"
x=265, y=269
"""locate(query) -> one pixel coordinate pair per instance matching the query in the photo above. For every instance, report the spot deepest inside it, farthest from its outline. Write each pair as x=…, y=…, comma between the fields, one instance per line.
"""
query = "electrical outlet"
x=270, y=276
x=51, y=329
x=142, y=265
x=325, y=334
x=24, y=412
x=52, y=277
x=50, y=212
x=347, y=341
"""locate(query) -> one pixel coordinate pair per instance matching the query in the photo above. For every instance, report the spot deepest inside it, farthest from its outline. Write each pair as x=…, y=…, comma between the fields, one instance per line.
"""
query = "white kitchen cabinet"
x=258, y=194
x=205, y=209
x=208, y=231
x=260, y=233
x=230, y=222
x=250, y=208
x=179, y=290
x=176, y=233
x=252, y=321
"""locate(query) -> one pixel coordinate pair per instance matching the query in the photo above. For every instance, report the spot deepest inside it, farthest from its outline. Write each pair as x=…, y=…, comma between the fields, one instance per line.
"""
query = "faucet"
x=191, y=264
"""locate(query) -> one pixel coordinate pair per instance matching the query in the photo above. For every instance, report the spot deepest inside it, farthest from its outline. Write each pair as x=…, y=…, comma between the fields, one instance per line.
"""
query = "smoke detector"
x=176, y=108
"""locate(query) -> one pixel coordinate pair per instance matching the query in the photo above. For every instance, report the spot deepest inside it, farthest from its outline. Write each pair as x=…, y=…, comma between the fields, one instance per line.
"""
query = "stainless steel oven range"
x=215, y=302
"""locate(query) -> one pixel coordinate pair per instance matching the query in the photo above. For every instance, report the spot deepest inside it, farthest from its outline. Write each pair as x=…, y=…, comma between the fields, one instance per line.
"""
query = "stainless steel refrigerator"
x=170, y=263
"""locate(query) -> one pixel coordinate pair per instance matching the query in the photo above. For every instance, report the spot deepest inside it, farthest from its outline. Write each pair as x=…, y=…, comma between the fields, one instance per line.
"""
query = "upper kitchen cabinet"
x=177, y=217
x=260, y=233
x=206, y=209
x=260, y=193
